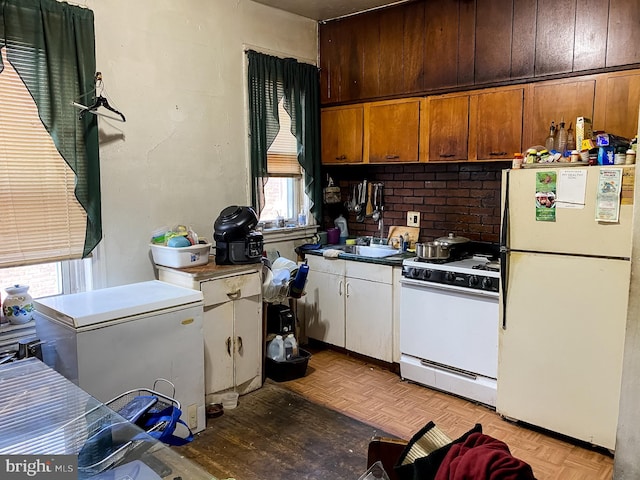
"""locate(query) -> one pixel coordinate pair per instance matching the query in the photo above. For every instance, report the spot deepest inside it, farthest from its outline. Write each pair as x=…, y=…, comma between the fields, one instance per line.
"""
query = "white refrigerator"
x=112, y=340
x=564, y=290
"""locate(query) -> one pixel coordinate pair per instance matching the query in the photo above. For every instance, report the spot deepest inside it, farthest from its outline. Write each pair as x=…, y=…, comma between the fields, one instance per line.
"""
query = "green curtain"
x=270, y=79
x=52, y=47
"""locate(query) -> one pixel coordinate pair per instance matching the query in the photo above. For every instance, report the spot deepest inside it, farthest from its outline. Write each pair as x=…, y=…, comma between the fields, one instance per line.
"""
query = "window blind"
x=282, y=156
x=41, y=220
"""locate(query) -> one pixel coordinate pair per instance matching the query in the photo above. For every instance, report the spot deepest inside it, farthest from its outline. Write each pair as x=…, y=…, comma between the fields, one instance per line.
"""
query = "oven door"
x=450, y=327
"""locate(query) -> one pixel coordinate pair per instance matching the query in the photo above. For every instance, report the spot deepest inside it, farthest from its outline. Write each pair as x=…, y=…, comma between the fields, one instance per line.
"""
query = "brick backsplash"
x=463, y=198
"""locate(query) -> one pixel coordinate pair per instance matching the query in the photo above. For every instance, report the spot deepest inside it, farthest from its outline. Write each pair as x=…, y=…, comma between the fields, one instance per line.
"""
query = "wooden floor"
x=374, y=395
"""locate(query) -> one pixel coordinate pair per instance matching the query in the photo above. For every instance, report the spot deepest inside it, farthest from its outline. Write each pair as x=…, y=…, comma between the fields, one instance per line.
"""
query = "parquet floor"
x=377, y=396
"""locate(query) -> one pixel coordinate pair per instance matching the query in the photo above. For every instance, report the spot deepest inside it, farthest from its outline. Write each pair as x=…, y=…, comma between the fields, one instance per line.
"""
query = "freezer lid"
x=116, y=303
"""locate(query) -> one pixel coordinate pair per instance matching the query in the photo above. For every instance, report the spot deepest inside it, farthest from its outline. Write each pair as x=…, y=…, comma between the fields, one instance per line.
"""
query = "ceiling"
x=326, y=9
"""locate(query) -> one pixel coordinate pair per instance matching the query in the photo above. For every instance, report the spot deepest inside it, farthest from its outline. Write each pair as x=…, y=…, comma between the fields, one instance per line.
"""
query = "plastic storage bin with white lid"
x=181, y=257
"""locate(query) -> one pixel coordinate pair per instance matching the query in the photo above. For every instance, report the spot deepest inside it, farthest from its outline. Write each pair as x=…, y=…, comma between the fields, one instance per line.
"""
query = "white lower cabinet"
x=232, y=330
x=350, y=304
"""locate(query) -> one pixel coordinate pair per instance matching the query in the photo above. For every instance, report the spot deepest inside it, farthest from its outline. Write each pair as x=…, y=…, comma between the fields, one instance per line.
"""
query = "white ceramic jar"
x=18, y=306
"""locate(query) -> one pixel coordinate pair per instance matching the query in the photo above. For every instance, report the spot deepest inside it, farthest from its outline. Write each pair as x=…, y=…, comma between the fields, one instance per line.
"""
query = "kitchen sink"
x=377, y=251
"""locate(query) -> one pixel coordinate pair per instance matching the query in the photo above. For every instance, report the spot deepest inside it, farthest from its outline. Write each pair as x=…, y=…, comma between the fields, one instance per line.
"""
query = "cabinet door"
x=441, y=38
x=330, y=62
x=369, y=318
x=493, y=40
x=324, y=309
x=496, y=124
x=553, y=101
x=394, y=131
x=618, y=97
x=555, y=37
x=217, y=329
x=413, y=47
x=248, y=341
x=342, y=132
x=448, y=128
x=623, y=33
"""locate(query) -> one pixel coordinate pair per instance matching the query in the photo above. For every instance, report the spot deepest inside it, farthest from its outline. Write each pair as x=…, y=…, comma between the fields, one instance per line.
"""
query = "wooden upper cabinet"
x=623, y=36
x=390, y=78
x=617, y=100
x=523, y=41
x=449, y=31
x=589, y=51
x=554, y=101
x=448, y=128
x=555, y=36
x=495, y=124
x=330, y=62
x=393, y=131
x=342, y=131
x=413, y=47
x=493, y=41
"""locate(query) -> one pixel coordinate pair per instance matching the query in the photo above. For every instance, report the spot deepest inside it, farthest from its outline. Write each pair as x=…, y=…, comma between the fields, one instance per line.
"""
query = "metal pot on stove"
x=442, y=248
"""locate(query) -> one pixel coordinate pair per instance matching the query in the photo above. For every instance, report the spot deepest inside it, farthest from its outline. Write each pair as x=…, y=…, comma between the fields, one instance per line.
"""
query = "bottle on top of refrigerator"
x=290, y=347
x=561, y=139
x=550, y=142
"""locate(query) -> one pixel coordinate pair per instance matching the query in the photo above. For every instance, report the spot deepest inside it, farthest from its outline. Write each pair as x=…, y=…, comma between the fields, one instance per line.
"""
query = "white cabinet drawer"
x=334, y=266
x=370, y=271
x=231, y=288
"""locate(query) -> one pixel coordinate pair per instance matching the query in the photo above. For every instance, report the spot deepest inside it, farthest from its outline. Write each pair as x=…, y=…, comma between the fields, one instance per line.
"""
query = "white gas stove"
x=449, y=326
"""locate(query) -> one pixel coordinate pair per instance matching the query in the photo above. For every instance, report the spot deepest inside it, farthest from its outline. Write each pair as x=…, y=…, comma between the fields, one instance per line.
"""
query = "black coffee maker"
x=237, y=241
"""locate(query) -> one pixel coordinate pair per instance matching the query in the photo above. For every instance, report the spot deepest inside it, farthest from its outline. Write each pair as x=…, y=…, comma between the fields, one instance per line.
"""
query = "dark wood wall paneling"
x=425, y=46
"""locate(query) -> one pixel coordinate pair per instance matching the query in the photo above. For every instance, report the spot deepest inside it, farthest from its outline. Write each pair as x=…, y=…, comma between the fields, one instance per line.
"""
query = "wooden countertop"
x=212, y=270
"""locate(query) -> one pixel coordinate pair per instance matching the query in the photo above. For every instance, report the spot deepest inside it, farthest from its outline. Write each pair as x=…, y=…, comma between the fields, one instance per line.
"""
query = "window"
x=32, y=164
x=49, y=160
x=284, y=137
x=284, y=190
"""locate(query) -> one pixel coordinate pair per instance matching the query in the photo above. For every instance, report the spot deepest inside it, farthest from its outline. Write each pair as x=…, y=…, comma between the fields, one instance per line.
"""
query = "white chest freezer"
x=116, y=339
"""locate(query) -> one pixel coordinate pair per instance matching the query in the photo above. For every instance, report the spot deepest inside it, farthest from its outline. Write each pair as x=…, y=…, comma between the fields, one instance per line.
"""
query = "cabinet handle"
x=239, y=344
x=347, y=289
x=229, y=346
x=495, y=154
x=340, y=288
x=447, y=155
x=392, y=157
x=235, y=295
x=341, y=157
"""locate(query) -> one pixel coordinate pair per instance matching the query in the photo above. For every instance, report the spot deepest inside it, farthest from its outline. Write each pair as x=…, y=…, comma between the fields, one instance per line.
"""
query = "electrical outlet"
x=192, y=413
x=413, y=219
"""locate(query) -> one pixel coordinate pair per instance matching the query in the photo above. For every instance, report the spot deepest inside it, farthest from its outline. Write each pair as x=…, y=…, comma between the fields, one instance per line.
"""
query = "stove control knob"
x=474, y=281
x=411, y=272
x=449, y=276
x=425, y=273
x=486, y=283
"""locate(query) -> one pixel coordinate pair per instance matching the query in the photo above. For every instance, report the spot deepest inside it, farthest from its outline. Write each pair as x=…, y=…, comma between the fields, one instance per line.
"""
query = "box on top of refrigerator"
x=584, y=131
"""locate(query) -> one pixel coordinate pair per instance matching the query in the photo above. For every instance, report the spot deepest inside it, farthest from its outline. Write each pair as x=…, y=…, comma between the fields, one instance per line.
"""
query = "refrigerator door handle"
x=504, y=250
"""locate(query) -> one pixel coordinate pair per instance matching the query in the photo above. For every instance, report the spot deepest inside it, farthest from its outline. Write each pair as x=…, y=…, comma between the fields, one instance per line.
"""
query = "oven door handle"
x=448, y=288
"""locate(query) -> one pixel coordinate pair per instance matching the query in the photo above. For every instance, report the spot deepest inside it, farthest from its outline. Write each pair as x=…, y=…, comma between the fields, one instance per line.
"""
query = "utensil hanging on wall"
x=369, y=208
x=376, y=202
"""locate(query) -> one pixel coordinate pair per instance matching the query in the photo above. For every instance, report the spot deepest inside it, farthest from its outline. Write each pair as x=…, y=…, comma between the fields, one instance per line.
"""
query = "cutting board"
x=398, y=230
